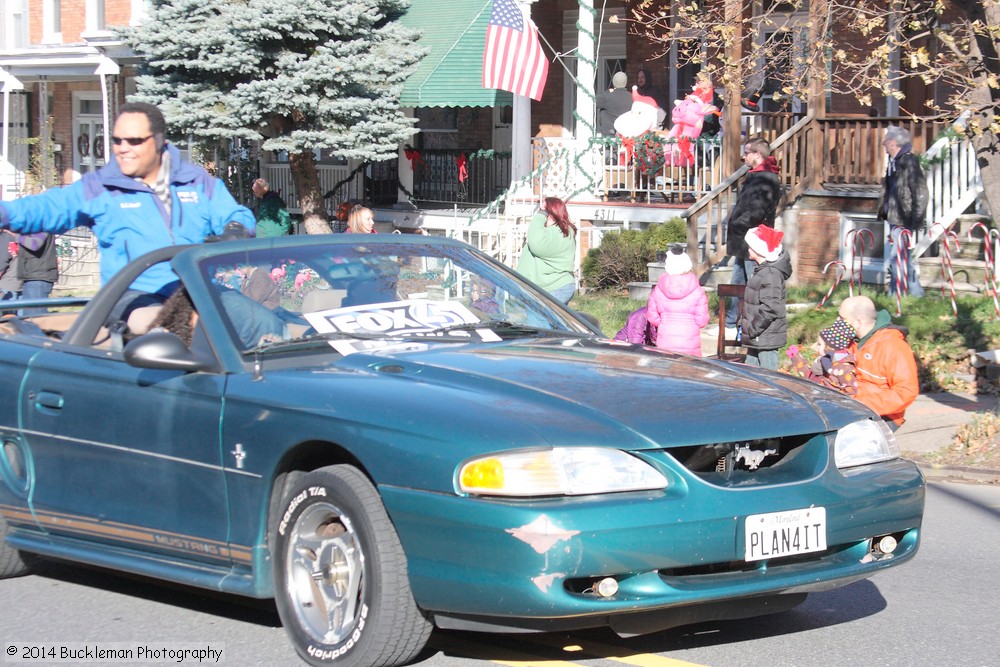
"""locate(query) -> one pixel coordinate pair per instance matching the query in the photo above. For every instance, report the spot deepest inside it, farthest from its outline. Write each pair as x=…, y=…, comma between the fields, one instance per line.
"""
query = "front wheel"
x=341, y=583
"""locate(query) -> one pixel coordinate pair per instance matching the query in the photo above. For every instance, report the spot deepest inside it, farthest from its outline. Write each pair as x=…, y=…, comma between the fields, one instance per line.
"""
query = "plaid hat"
x=838, y=336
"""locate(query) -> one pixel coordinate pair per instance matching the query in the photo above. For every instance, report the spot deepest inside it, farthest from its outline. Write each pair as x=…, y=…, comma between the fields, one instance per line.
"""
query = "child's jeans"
x=762, y=358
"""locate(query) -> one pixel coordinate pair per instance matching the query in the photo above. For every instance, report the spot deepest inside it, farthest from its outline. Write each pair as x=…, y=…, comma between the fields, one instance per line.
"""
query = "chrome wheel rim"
x=324, y=573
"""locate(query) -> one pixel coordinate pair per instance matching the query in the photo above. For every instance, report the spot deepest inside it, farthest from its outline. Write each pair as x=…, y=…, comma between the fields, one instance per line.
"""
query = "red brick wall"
x=74, y=19
x=35, y=22
x=117, y=12
x=818, y=244
x=548, y=17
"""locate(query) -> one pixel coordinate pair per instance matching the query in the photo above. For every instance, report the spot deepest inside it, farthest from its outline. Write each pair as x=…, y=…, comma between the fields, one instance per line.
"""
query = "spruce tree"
x=294, y=75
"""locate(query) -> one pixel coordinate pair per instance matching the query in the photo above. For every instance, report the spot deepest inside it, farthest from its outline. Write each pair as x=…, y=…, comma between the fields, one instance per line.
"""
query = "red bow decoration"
x=413, y=155
x=684, y=145
x=463, y=171
x=629, y=144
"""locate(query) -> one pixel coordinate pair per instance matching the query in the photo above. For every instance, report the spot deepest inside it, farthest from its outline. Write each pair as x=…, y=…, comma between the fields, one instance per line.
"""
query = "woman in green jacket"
x=549, y=253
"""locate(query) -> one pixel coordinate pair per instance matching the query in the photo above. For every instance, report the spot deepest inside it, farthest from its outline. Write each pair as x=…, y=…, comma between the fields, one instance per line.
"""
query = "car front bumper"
x=533, y=564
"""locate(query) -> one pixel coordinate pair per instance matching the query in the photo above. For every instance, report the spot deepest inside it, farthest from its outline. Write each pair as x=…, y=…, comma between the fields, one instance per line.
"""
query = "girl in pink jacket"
x=678, y=306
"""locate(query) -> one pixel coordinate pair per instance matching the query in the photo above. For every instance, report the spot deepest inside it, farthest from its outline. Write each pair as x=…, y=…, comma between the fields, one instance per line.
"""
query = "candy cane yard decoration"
x=991, y=278
x=904, y=239
x=841, y=270
x=947, y=236
x=855, y=238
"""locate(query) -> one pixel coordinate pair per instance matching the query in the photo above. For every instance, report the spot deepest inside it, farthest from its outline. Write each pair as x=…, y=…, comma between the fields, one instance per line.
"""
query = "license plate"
x=779, y=534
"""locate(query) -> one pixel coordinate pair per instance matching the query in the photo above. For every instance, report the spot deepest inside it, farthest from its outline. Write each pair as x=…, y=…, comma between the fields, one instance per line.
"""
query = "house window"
x=437, y=119
x=13, y=27
x=138, y=10
x=51, y=21
x=95, y=15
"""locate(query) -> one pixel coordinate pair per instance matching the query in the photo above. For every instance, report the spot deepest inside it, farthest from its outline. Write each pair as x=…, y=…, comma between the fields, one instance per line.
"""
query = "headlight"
x=866, y=441
x=569, y=471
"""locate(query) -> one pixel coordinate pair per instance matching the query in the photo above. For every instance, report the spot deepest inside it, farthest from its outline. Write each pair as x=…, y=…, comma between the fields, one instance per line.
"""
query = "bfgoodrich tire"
x=341, y=583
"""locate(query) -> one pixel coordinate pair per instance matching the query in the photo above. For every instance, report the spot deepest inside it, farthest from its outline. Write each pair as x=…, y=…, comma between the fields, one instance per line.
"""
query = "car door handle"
x=49, y=399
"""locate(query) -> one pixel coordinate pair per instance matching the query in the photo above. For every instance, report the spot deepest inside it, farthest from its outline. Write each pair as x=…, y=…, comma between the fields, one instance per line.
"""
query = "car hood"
x=637, y=397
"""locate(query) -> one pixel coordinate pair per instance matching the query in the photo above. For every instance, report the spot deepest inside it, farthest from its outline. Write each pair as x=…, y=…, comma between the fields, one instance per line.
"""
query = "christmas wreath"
x=649, y=153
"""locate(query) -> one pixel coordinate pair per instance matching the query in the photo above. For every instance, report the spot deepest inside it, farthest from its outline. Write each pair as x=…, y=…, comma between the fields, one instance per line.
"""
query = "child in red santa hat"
x=765, y=322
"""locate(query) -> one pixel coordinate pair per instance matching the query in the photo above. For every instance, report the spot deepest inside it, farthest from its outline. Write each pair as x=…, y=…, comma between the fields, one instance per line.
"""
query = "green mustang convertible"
x=392, y=433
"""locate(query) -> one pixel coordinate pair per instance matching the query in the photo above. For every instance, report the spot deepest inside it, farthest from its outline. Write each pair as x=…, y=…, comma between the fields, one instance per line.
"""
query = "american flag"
x=513, y=58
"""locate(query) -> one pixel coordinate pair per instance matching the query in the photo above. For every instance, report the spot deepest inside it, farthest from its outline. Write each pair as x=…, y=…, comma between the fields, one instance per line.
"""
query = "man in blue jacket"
x=146, y=198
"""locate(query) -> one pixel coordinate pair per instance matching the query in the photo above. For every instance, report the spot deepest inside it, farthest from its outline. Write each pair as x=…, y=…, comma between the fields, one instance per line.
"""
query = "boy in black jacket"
x=765, y=321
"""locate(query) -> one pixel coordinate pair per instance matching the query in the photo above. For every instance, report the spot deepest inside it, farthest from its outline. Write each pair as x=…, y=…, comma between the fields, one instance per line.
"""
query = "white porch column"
x=520, y=127
x=9, y=83
x=520, y=158
x=106, y=68
x=586, y=104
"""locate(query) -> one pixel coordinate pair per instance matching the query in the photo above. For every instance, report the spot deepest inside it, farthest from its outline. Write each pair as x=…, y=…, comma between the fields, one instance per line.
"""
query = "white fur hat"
x=765, y=241
x=677, y=261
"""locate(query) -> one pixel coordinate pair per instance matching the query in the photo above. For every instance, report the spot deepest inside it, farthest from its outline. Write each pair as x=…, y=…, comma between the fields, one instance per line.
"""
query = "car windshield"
x=364, y=296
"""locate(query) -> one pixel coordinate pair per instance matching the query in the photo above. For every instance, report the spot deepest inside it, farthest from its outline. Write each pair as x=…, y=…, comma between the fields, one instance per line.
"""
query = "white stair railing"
x=953, y=182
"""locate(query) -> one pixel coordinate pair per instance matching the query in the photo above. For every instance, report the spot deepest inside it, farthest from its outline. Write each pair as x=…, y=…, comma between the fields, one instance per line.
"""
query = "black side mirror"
x=162, y=350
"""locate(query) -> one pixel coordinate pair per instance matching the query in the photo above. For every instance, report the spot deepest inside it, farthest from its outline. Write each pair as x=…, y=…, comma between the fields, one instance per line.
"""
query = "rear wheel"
x=12, y=562
x=341, y=582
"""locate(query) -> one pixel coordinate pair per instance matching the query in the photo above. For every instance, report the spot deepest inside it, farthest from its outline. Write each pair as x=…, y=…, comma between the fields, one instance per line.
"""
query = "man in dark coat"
x=612, y=104
x=37, y=268
x=272, y=216
x=756, y=204
x=903, y=205
x=644, y=83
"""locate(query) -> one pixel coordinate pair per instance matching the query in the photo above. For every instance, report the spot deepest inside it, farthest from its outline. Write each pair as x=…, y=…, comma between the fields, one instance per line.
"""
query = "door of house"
x=609, y=52
x=88, y=135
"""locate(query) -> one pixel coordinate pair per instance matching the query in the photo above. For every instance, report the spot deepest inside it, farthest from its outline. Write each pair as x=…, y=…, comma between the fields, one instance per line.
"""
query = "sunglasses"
x=131, y=141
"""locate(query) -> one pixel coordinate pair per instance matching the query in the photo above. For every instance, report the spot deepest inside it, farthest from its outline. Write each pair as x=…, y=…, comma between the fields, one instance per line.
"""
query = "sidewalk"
x=931, y=424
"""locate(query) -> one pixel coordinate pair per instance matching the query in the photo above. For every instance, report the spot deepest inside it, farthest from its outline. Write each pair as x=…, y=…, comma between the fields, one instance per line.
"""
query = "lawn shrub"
x=622, y=256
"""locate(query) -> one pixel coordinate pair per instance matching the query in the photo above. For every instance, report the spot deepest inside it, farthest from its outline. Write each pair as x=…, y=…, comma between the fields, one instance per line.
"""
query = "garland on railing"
x=953, y=136
x=345, y=180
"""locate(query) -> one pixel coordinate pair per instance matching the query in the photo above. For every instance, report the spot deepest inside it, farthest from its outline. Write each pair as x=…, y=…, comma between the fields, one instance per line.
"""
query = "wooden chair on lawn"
x=725, y=291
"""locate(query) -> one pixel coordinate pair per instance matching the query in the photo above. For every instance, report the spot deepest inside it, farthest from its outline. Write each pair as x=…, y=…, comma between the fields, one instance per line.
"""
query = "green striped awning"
x=451, y=75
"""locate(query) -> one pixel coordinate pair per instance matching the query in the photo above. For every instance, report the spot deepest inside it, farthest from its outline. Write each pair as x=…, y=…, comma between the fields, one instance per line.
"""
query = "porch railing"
x=437, y=176
x=852, y=146
x=954, y=182
x=280, y=178
x=706, y=217
x=624, y=172
x=851, y=157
